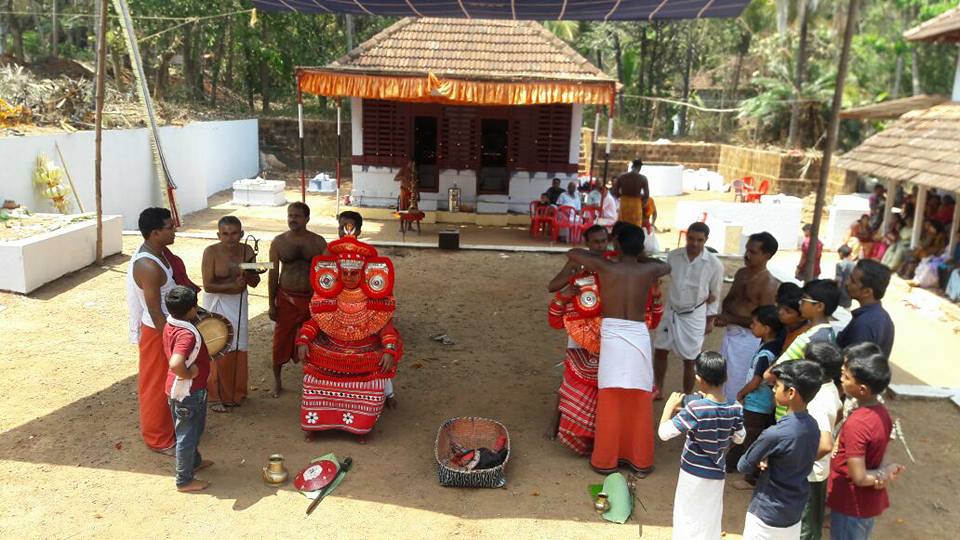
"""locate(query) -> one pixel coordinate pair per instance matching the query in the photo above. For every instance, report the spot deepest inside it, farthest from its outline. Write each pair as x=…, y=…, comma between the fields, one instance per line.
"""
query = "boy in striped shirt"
x=711, y=424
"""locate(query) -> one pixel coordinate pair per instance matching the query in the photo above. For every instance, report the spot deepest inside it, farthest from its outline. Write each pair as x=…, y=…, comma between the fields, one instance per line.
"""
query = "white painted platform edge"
x=922, y=391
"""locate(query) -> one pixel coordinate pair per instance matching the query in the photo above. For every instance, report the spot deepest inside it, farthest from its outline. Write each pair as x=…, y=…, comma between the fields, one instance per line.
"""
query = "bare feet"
x=657, y=394
x=277, y=386
x=391, y=403
x=550, y=434
x=218, y=407
x=195, y=485
x=309, y=436
x=362, y=439
x=203, y=465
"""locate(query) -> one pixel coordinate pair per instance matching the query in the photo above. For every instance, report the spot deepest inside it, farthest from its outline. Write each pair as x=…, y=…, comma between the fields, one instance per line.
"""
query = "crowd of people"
x=333, y=307
x=626, y=199
x=927, y=264
x=788, y=401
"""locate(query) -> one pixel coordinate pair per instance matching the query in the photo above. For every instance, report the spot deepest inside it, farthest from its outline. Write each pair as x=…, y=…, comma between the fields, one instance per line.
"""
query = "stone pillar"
x=953, y=225
x=918, y=216
x=888, y=206
x=956, y=79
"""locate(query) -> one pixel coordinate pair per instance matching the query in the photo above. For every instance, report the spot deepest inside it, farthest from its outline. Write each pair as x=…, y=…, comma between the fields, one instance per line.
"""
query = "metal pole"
x=98, y=127
x=606, y=155
x=303, y=167
x=593, y=142
x=338, y=157
x=831, y=137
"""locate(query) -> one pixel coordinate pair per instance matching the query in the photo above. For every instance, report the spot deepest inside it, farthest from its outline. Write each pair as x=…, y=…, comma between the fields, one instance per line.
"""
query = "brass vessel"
x=602, y=504
x=275, y=474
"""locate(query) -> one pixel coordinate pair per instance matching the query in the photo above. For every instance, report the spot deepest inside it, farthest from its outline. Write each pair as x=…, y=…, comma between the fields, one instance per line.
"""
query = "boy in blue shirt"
x=784, y=453
x=757, y=395
x=711, y=424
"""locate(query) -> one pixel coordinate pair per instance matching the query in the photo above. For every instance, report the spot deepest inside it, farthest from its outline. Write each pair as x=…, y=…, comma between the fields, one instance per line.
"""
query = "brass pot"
x=602, y=504
x=275, y=474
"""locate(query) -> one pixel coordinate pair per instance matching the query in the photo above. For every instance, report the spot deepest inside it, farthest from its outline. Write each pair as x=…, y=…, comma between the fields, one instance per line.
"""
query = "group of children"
x=781, y=429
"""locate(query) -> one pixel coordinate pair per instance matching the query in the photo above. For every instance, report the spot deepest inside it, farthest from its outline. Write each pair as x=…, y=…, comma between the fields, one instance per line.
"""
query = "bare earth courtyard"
x=73, y=466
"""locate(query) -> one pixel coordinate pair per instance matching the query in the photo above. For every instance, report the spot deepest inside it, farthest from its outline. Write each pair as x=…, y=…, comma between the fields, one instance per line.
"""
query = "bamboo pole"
x=98, y=153
x=69, y=178
x=832, y=129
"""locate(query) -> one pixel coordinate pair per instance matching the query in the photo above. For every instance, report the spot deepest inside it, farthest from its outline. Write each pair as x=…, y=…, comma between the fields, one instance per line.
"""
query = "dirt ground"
x=73, y=466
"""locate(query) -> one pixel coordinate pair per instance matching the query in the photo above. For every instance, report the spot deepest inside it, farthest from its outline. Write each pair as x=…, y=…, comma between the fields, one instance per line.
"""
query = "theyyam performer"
x=349, y=345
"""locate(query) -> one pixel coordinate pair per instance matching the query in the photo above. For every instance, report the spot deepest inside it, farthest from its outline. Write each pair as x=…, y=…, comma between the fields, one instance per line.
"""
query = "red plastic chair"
x=588, y=216
x=754, y=194
x=544, y=219
x=533, y=210
x=564, y=220
x=683, y=232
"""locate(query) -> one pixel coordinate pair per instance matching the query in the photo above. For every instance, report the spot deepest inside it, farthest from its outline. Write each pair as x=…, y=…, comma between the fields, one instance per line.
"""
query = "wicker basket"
x=470, y=432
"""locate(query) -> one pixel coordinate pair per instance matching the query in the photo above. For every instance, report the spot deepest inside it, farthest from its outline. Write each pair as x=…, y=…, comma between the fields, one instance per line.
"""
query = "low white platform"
x=664, y=180
x=258, y=192
x=29, y=263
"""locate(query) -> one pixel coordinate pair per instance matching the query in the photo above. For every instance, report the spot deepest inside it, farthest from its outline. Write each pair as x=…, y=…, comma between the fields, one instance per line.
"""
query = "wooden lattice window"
x=459, y=138
x=385, y=127
x=551, y=138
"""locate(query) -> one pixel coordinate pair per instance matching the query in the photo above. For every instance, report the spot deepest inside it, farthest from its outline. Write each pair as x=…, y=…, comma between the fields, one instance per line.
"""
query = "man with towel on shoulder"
x=753, y=286
x=225, y=292
x=624, y=428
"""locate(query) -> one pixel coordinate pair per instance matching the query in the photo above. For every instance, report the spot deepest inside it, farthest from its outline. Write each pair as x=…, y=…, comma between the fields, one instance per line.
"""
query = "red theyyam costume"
x=580, y=317
x=348, y=333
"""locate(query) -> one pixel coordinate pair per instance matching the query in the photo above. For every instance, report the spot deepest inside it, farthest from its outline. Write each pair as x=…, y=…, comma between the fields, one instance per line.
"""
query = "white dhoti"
x=231, y=306
x=682, y=332
x=229, y=373
x=625, y=355
x=697, y=508
x=756, y=529
x=738, y=347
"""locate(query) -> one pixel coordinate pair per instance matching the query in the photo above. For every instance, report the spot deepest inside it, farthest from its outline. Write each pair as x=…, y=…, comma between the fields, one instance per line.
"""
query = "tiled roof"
x=893, y=108
x=921, y=147
x=943, y=27
x=469, y=49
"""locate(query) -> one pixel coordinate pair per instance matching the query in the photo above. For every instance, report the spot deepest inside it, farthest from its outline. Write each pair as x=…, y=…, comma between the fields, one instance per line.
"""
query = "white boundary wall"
x=374, y=186
x=203, y=157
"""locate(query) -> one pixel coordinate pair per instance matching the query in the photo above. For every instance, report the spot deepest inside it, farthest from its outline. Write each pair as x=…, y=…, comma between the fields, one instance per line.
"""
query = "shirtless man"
x=624, y=432
x=753, y=286
x=225, y=293
x=288, y=284
x=632, y=190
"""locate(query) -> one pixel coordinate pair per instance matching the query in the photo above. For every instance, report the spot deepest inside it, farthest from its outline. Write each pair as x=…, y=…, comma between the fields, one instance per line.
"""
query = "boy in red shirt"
x=186, y=384
x=858, y=471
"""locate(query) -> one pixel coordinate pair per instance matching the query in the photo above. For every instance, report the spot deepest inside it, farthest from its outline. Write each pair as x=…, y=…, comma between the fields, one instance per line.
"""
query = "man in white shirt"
x=609, y=210
x=696, y=277
x=570, y=197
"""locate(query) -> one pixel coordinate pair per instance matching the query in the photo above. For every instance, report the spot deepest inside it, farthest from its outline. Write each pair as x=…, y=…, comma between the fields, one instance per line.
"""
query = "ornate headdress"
x=348, y=253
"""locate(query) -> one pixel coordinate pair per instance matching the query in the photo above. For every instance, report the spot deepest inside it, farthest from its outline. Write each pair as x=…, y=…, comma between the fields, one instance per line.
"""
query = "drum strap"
x=181, y=387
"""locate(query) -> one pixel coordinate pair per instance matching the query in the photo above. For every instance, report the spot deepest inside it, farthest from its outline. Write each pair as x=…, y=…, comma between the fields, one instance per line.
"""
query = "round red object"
x=317, y=475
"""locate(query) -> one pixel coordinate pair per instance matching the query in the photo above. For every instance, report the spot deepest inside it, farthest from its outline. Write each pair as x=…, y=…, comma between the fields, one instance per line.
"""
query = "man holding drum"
x=225, y=293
